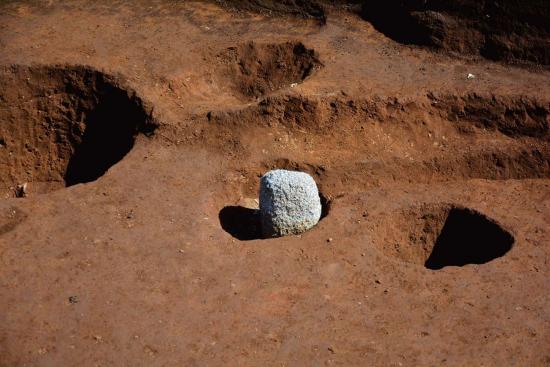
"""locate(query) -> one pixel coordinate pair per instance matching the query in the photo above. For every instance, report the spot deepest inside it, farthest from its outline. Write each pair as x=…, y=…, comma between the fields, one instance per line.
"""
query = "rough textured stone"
x=289, y=203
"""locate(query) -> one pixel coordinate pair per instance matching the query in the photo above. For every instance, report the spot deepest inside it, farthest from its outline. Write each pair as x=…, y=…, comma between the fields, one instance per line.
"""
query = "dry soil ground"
x=141, y=130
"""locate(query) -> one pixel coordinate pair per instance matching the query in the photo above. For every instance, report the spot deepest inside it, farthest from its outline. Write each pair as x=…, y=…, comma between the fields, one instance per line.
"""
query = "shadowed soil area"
x=468, y=237
x=506, y=30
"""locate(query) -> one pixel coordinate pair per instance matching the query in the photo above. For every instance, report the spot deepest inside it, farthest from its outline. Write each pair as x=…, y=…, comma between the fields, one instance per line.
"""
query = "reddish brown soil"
x=141, y=131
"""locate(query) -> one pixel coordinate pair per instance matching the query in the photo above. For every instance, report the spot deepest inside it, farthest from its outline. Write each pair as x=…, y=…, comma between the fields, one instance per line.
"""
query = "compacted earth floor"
x=132, y=139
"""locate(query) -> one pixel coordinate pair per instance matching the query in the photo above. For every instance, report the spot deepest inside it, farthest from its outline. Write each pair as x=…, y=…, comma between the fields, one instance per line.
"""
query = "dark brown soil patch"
x=506, y=30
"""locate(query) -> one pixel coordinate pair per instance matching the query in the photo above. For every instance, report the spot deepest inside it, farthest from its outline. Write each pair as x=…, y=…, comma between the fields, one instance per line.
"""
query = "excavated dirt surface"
x=132, y=139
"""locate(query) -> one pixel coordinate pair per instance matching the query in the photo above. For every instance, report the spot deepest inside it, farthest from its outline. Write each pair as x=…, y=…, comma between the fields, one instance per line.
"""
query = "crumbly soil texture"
x=133, y=137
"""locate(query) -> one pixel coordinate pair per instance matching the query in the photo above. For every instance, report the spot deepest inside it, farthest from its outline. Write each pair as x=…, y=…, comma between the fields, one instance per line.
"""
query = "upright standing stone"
x=289, y=203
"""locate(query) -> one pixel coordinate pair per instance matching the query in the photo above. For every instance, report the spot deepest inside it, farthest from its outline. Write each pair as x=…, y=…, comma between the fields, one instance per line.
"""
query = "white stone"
x=289, y=203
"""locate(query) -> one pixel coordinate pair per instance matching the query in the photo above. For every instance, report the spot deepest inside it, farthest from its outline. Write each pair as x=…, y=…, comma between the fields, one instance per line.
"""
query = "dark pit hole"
x=65, y=125
x=437, y=235
x=244, y=224
x=468, y=237
x=111, y=129
x=393, y=19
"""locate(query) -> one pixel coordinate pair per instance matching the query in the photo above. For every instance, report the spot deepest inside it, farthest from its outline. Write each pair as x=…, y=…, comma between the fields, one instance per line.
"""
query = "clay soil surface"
x=132, y=139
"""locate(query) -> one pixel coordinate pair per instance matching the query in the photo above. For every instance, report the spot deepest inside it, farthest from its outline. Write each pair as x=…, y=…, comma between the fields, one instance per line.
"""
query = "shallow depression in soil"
x=258, y=69
x=64, y=125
